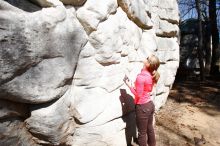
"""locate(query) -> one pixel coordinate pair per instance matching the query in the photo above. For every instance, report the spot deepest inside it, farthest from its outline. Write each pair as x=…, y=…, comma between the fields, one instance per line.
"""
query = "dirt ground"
x=192, y=110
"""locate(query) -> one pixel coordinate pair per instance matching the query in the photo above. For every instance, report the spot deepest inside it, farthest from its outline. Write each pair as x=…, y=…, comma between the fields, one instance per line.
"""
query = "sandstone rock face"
x=62, y=68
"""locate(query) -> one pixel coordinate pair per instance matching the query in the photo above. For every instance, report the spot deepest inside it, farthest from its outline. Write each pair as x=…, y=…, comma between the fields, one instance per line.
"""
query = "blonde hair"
x=154, y=64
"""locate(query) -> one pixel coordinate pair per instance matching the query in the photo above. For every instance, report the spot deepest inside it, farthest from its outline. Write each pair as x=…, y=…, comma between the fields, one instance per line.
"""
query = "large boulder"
x=39, y=52
x=62, y=68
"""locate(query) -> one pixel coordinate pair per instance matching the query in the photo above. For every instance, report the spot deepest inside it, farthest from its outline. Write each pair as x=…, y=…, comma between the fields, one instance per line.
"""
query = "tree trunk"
x=200, y=39
x=207, y=41
x=215, y=36
x=208, y=49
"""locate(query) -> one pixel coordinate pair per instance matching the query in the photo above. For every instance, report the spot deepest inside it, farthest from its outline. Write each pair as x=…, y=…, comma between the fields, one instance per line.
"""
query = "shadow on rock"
x=127, y=104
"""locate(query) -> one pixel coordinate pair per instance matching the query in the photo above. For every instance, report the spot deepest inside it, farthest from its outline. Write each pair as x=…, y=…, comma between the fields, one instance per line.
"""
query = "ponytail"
x=156, y=76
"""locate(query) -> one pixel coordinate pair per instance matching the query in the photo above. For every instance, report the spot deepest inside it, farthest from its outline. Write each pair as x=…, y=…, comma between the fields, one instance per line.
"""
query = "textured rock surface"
x=61, y=68
x=49, y=3
x=38, y=54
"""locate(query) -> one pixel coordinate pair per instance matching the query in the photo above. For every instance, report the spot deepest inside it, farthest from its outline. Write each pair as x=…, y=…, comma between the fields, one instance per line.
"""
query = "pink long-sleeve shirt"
x=143, y=87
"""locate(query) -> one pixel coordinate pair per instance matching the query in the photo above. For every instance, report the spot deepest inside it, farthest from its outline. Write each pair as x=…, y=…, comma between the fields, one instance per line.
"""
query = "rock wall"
x=62, y=65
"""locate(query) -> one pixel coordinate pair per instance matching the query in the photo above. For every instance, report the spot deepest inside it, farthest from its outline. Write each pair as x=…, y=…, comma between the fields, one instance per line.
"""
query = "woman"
x=144, y=107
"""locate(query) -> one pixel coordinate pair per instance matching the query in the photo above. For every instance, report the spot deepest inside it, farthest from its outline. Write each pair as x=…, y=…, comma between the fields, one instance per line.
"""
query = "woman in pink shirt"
x=144, y=107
